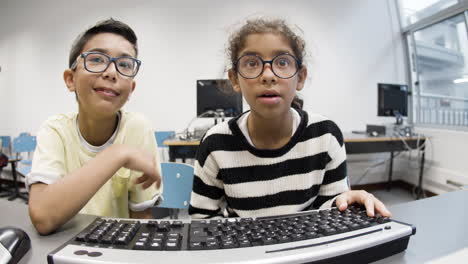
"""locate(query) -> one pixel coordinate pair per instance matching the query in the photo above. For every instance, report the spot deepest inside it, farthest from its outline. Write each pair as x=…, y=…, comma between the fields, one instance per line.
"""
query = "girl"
x=274, y=159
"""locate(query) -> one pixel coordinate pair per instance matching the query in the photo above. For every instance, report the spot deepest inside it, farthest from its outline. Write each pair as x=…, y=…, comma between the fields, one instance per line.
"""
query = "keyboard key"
x=177, y=224
x=228, y=244
x=195, y=245
x=81, y=237
x=139, y=246
x=155, y=246
x=172, y=246
x=244, y=243
x=212, y=245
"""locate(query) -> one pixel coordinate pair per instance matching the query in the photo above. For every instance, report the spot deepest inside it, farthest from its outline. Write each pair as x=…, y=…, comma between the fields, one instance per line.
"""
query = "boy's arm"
x=50, y=206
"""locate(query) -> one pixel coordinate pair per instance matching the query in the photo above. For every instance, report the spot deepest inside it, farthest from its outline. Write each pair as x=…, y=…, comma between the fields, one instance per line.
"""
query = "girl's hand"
x=371, y=203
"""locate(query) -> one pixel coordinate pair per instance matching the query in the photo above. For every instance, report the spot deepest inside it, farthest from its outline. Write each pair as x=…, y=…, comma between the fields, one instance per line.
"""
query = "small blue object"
x=178, y=181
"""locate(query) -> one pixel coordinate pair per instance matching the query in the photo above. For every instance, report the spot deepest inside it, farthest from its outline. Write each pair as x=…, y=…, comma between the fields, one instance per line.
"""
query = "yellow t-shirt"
x=61, y=150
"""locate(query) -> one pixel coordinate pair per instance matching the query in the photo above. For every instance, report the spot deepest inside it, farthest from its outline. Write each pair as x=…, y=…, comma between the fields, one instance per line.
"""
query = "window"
x=439, y=65
x=411, y=11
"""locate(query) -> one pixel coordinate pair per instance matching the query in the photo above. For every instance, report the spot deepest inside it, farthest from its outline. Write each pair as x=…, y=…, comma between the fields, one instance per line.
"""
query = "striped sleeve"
x=335, y=180
x=207, y=192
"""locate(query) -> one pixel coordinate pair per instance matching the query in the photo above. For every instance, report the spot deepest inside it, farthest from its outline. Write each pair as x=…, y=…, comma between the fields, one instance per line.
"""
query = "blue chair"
x=25, y=143
x=6, y=145
x=160, y=137
x=178, y=181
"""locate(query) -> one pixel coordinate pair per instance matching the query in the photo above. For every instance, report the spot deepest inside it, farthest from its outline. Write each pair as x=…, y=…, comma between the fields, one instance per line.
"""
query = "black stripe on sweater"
x=321, y=200
x=278, y=199
x=200, y=188
x=216, y=142
x=321, y=128
x=336, y=174
x=209, y=213
x=274, y=171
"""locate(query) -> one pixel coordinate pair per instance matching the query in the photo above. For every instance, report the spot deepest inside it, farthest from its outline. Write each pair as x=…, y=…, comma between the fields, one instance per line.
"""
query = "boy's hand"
x=362, y=197
x=141, y=160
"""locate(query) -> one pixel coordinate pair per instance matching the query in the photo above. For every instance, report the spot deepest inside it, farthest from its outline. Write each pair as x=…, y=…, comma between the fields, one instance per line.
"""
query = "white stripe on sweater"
x=243, y=158
x=286, y=183
x=202, y=202
x=334, y=187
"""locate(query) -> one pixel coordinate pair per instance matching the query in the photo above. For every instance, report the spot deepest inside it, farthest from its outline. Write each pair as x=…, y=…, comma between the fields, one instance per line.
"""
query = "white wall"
x=352, y=47
x=352, y=44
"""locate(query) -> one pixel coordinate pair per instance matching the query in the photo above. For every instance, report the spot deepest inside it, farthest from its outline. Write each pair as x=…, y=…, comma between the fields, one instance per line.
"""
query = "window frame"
x=410, y=53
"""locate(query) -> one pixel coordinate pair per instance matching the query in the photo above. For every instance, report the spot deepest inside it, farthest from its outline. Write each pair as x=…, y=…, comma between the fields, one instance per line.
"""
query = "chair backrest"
x=178, y=181
x=5, y=144
x=24, y=143
x=163, y=135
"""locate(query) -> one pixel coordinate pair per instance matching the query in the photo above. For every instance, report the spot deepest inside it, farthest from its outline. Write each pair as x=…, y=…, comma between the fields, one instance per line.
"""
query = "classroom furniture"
x=163, y=148
x=23, y=147
x=5, y=146
x=5, y=190
x=432, y=241
x=178, y=181
x=354, y=144
x=364, y=144
x=182, y=149
x=16, y=193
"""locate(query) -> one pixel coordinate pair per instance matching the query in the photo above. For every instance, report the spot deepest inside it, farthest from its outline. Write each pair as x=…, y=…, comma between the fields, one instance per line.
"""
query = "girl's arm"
x=335, y=180
x=50, y=206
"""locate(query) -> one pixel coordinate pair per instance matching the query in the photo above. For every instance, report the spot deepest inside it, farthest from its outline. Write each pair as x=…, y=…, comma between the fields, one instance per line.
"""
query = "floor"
x=394, y=196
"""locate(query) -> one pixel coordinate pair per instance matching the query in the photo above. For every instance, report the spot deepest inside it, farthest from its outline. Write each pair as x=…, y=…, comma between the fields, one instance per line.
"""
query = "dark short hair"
x=105, y=26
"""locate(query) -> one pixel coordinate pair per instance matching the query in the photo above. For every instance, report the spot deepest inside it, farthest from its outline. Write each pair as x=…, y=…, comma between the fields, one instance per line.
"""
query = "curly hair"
x=263, y=25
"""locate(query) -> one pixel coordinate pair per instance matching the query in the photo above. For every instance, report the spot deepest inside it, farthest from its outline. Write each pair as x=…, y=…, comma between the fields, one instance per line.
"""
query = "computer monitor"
x=393, y=100
x=215, y=96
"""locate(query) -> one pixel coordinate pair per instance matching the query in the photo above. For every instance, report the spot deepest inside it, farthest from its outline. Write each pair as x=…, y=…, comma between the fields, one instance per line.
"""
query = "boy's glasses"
x=99, y=62
x=284, y=66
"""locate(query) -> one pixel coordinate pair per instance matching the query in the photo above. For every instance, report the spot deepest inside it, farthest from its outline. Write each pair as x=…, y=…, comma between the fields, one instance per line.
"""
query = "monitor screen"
x=392, y=98
x=216, y=95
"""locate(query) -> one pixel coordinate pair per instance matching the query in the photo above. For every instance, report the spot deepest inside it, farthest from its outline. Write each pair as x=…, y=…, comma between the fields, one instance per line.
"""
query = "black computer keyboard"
x=321, y=235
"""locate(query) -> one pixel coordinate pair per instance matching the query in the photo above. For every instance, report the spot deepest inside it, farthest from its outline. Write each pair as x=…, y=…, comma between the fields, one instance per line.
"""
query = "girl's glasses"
x=284, y=66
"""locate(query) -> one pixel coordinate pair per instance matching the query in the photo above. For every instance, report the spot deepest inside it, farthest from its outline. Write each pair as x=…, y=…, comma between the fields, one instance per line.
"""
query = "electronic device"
x=215, y=98
x=326, y=235
x=392, y=101
x=14, y=243
x=375, y=130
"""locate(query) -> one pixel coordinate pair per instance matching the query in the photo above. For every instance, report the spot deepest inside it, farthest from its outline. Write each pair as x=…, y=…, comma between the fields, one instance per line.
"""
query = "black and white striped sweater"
x=307, y=173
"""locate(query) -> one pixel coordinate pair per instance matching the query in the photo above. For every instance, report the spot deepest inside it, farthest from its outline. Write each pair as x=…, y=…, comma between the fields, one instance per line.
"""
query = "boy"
x=101, y=160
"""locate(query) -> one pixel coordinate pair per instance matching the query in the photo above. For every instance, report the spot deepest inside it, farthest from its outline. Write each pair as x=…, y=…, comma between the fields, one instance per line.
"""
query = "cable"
x=373, y=166
x=185, y=134
x=421, y=150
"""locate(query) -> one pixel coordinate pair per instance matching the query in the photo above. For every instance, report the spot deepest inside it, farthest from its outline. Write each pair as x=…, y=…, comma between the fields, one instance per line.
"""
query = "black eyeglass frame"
x=298, y=63
x=111, y=59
